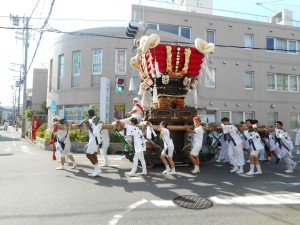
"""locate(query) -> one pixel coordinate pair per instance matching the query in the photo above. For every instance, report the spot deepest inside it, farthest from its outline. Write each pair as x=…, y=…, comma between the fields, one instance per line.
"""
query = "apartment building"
x=255, y=68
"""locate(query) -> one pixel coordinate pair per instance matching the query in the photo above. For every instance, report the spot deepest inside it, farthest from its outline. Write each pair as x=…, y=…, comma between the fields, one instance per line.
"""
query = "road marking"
x=115, y=220
x=25, y=149
x=163, y=203
x=277, y=199
x=12, y=134
x=288, y=184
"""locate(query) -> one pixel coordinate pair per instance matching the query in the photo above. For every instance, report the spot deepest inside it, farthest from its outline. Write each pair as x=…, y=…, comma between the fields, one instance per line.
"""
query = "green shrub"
x=47, y=135
x=43, y=127
x=39, y=134
x=78, y=135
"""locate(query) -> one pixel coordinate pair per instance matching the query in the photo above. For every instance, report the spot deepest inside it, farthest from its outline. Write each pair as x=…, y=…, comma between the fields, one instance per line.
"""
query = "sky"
x=70, y=15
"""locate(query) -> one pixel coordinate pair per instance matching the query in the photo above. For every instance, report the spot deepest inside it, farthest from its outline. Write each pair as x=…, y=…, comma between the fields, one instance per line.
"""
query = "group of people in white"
x=231, y=140
x=259, y=142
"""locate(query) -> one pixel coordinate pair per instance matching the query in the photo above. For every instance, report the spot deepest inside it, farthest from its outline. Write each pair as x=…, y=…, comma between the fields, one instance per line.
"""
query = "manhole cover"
x=193, y=202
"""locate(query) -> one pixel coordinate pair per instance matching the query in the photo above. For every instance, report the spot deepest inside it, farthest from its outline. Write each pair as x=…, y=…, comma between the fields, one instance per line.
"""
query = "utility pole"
x=26, y=45
x=18, y=84
x=25, y=38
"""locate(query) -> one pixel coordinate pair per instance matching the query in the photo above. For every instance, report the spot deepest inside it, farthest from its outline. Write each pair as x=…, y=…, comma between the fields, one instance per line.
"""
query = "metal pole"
x=26, y=44
x=18, y=111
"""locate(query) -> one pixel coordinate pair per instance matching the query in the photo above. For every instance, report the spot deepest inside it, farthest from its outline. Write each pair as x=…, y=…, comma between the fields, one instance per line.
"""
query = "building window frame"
x=249, y=41
x=120, y=61
x=76, y=60
x=210, y=36
x=61, y=69
x=249, y=80
x=97, y=55
x=210, y=80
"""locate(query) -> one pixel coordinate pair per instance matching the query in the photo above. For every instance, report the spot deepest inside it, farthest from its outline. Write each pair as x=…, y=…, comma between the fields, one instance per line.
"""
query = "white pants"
x=104, y=152
x=236, y=154
x=139, y=156
x=64, y=152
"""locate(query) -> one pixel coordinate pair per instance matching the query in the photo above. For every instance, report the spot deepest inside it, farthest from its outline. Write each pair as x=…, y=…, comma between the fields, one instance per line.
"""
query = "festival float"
x=168, y=72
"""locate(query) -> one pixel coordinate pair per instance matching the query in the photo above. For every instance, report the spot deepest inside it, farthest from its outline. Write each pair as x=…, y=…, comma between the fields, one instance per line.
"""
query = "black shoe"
x=277, y=160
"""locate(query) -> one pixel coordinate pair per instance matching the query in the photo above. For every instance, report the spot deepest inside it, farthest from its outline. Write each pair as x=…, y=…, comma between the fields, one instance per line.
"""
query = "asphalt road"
x=34, y=193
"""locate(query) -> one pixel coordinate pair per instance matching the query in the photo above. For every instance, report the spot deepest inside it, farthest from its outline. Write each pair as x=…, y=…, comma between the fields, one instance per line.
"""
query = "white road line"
x=276, y=199
x=115, y=220
x=163, y=203
x=287, y=184
x=26, y=150
x=12, y=134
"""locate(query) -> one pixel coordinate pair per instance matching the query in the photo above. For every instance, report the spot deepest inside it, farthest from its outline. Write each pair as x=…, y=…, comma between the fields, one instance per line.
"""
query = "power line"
x=42, y=32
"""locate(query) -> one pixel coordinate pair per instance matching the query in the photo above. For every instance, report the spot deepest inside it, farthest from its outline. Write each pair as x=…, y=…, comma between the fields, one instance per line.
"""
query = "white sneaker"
x=172, y=172
x=75, y=164
x=104, y=165
x=258, y=173
x=298, y=152
x=96, y=172
x=196, y=170
x=250, y=173
x=248, y=161
x=288, y=171
x=240, y=171
x=218, y=160
x=60, y=168
x=143, y=173
x=166, y=171
x=235, y=169
x=131, y=174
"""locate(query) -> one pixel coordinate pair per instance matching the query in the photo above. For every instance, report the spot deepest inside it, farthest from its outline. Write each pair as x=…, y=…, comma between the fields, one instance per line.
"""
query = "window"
x=272, y=118
x=76, y=112
x=61, y=111
x=281, y=82
x=210, y=78
x=237, y=117
x=152, y=26
x=292, y=46
x=281, y=45
x=249, y=80
x=185, y=32
x=169, y=28
x=271, y=86
x=76, y=69
x=270, y=43
x=96, y=67
x=50, y=75
x=294, y=120
x=61, y=65
x=293, y=83
x=249, y=115
x=178, y=30
x=210, y=36
x=120, y=63
x=248, y=41
x=226, y=114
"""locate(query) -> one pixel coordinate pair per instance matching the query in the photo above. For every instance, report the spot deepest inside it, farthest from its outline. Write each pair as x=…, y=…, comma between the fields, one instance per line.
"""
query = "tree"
x=29, y=114
x=44, y=109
